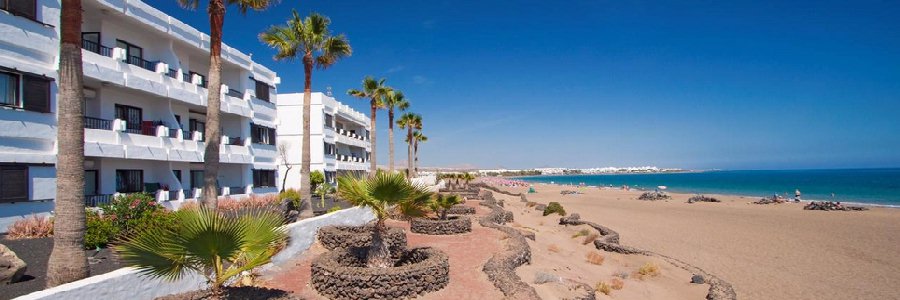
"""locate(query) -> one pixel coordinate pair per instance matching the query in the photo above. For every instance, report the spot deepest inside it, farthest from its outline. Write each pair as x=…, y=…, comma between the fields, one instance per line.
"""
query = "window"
x=262, y=135
x=177, y=174
x=133, y=117
x=196, y=125
x=262, y=90
x=26, y=91
x=24, y=8
x=329, y=121
x=330, y=149
x=9, y=89
x=197, y=179
x=129, y=181
x=133, y=54
x=263, y=178
x=13, y=183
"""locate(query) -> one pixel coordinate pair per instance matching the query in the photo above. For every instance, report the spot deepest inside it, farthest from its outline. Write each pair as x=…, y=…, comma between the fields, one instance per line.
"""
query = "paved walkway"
x=468, y=254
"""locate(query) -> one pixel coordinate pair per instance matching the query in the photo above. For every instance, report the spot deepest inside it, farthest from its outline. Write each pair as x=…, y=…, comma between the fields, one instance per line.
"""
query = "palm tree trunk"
x=391, y=137
x=212, y=134
x=415, y=157
x=67, y=259
x=379, y=255
x=306, y=159
x=373, y=167
x=409, y=139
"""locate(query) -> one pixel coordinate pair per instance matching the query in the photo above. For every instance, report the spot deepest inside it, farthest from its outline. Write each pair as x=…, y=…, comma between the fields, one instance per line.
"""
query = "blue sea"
x=870, y=186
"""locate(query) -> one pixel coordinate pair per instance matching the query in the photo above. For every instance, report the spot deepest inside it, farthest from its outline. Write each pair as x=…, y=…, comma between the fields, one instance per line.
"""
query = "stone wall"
x=609, y=241
x=501, y=268
x=460, y=209
x=345, y=237
x=453, y=225
x=342, y=274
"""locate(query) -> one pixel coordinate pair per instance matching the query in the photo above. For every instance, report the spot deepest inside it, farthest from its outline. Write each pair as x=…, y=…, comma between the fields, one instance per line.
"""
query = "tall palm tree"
x=394, y=99
x=417, y=137
x=310, y=39
x=383, y=192
x=375, y=91
x=216, y=11
x=410, y=122
x=67, y=259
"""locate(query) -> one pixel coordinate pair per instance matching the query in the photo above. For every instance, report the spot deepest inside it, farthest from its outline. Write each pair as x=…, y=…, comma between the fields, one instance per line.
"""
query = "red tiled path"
x=468, y=254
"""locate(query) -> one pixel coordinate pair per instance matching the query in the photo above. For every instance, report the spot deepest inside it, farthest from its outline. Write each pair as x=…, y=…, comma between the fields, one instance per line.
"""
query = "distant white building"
x=145, y=103
x=339, y=137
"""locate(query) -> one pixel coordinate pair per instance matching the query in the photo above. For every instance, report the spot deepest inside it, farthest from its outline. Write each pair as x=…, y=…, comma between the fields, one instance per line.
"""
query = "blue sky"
x=707, y=84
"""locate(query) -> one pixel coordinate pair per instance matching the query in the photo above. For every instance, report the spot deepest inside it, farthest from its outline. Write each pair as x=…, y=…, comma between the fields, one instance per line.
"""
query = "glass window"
x=13, y=183
x=9, y=89
x=129, y=181
x=25, y=8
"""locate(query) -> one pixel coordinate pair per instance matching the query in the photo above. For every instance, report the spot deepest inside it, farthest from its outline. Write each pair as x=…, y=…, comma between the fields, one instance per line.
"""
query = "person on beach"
x=797, y=195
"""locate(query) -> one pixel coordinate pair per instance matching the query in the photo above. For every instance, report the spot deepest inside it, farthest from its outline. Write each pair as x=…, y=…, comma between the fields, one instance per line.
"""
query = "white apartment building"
x=145, y=107
x=339, y=137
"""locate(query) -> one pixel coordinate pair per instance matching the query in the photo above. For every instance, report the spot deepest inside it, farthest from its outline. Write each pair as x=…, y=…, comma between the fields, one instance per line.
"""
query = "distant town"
x=562, y=171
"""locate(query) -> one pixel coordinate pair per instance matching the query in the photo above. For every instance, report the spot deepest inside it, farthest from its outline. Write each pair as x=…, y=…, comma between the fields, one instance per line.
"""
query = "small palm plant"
x=382, y=193
x=322, y=190
x=207, y=242
x=468, y=177
x=441, y=204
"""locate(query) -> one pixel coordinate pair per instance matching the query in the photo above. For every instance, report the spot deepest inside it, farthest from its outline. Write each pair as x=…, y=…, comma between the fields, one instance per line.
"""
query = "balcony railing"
x=236, y=190
x=96, y=48
x=235, y=93
x=187, y=135
x=235, y=141
x=143, y=63
x=97, y=123
x=173, y=195
x=173, y=132
x=97, y=200
x=172, y=73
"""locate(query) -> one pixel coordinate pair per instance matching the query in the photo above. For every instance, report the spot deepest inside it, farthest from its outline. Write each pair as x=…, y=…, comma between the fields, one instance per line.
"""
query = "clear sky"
x=706, y=84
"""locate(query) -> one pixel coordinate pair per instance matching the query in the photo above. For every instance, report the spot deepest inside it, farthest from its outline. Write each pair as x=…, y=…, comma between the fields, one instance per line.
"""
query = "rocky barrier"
x=452, y=225
x=501, y=268
x=609, y=241
x=343, y=275
x=460, y=209
x=654, y=196
x=345, y=237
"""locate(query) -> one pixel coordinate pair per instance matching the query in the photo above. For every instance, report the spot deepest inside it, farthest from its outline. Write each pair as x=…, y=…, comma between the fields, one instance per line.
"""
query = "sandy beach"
x=764, y=251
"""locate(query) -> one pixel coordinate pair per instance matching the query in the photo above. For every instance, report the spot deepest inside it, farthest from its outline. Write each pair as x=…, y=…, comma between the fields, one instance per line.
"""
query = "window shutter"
x=262, y=90
x=13, y=183
x=256, y=178
x=271, y=136
x=36, y=94
x=25, y=8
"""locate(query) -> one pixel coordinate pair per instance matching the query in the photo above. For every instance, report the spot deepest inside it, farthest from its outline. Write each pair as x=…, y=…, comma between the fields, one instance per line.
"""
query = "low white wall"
x=128, y=283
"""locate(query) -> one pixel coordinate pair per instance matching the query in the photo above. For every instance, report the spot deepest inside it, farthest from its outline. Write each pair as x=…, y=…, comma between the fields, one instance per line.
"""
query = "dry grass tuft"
x=30, y=227
x=531, y=204
x=582, y=232
x=603, y=288
x=617, y=284
x=590, y=238
x=595, y=258
x=553, y=248
x=648, y=269
x=621, y=274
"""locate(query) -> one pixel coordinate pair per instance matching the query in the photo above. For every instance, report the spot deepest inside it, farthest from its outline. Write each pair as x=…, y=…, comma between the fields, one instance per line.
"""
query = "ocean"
x=869, y=186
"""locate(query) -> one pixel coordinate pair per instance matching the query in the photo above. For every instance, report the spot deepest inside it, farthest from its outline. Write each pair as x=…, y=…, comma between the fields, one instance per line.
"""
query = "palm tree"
x=382, y=192
x=310, y=39
x=410, y=122
x=207, y=242
x=394, y=99
x=468, y=177
x=216, y=11
x=375, y=91
x=417, y=137
x=322, y=190
x=67, y=259
x=440, y=204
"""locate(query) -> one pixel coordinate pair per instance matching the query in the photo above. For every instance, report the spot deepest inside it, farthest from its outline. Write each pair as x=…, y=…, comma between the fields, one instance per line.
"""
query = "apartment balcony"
x=112, y=65
x=349, y=138
x=113, y=139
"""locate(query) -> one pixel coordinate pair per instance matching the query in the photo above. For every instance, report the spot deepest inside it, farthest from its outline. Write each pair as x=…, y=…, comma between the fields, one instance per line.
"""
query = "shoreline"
x=676, y=191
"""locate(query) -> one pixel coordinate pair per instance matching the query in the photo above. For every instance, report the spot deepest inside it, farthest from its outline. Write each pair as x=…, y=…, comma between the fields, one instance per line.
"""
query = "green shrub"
x=315, y=179
x=130, y=212
x=554, y=207
x=290, y=194
x=101, y=230
x=333, y=209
